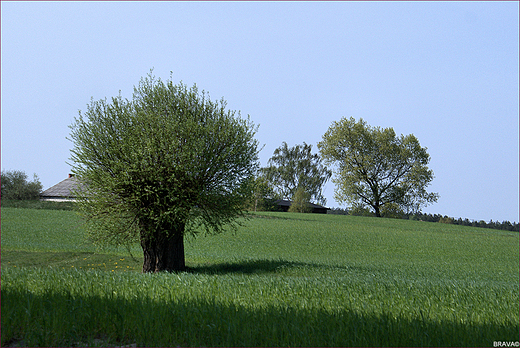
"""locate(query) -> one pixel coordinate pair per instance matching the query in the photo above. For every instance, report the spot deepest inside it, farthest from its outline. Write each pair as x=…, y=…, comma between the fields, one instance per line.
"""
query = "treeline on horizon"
x=504, y=225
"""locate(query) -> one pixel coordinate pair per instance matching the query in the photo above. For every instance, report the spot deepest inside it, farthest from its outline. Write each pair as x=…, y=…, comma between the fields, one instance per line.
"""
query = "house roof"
x=64, y=188
x=286, y=203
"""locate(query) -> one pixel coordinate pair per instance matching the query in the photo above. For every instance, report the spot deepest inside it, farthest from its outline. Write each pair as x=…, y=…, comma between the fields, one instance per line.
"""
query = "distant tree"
x=508, y=226
x=161, y=166
x=291, y=168
x=481, y=223
x=375, y=167
x=300, y=202
x=15, y=185
x=505, y=225
x=446, y=220
x=263, y=198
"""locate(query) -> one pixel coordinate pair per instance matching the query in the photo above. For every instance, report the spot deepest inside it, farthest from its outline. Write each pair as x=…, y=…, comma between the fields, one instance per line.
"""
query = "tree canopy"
x=15, y=185
x=375, y=168
x=167, y=163
x=297, y=167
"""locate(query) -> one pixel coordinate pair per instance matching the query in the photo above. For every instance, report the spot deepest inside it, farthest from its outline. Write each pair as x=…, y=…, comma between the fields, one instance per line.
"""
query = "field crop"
x=282, y=279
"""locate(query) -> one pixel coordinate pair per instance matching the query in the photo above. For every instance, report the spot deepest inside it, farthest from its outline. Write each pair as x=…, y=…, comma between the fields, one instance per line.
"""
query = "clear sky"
x=445, y=71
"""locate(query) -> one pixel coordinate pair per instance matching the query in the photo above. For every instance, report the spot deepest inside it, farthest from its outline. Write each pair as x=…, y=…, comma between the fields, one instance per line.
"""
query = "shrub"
x=357, y=210
x=446, y=220
x=300, y=203
x=392, y=210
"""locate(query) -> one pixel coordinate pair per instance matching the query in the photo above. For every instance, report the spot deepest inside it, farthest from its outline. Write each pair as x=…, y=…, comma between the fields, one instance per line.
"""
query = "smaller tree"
x=392, y=210
x=300, y=202
x=295, y=167
x=15, y=185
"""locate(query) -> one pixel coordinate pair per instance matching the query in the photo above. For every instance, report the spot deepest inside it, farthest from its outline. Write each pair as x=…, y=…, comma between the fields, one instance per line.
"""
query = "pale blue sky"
x=444, y=71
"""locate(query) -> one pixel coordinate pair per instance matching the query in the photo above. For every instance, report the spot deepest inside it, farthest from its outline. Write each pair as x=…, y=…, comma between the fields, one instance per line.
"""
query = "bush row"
x=504, y=225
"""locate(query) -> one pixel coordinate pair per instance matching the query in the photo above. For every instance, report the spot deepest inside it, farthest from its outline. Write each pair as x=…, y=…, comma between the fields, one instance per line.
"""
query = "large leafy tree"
x=296, y=167
x=15, y=185
x=376, y=168
x=165, y=164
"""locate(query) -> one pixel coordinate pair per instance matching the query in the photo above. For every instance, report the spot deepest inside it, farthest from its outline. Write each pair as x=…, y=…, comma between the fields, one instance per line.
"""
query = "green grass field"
x=282, y=279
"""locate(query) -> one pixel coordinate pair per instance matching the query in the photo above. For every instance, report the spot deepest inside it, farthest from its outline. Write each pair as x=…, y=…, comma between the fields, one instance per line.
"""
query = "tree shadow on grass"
x=255, y=267
x=245, y=267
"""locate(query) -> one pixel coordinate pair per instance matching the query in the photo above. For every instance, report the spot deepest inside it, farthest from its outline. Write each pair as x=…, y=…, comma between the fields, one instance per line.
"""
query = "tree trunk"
x=163, y=249
x=173, y=252
x=377, y=210
x=376, y=203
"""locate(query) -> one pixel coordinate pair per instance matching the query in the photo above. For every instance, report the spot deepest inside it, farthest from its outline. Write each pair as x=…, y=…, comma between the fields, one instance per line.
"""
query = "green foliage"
x=504, y=225
x=338, y=211
x=375, y=167
x=392, y=210
x=300, y=202
x=446, y=220
x=360, y=210
x=15, y=186
x=294, y=167
x=264, y=197
x=164, y=163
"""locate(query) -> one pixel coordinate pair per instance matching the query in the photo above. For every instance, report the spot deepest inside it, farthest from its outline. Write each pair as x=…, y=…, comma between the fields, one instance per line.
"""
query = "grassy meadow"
x=283, y=279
